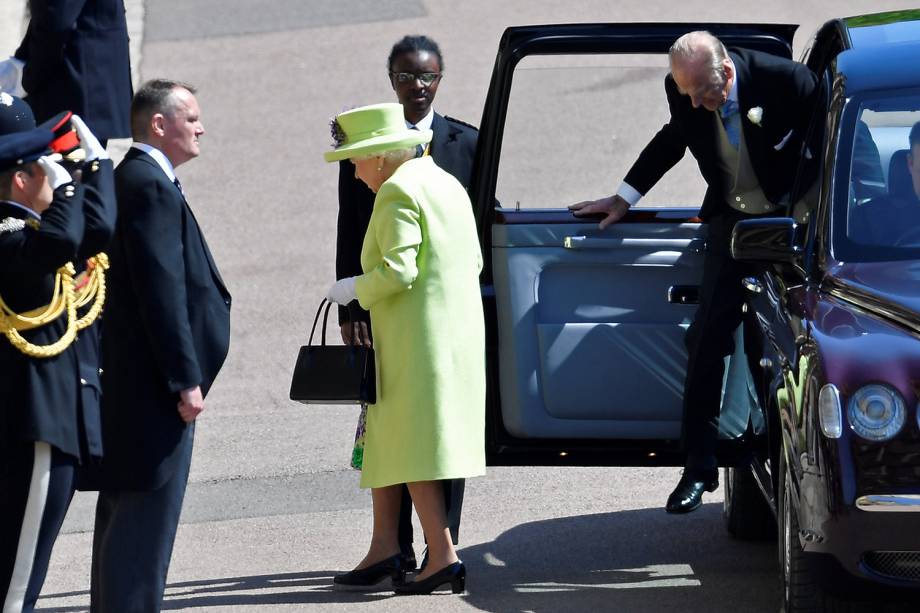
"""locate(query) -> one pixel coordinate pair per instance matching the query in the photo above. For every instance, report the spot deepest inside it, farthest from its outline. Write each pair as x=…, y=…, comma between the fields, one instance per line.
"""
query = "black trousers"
x=37, y=481
x=133, y=542
x=709, y=340
x=453, y=502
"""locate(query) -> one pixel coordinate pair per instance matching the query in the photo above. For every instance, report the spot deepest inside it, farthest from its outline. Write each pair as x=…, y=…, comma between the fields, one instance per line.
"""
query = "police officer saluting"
x=52, y=287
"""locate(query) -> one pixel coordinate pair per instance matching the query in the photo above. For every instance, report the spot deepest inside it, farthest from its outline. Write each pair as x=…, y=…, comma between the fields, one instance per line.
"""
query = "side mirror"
x=768, y=239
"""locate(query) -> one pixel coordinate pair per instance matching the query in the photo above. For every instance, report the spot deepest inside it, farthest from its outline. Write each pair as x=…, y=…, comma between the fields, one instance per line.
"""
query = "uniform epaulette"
x=462, y=123
x=12, y=224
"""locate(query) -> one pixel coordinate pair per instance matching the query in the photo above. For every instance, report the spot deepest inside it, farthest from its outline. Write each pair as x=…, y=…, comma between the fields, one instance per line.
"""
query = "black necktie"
x=419, y=149
x=179, y=186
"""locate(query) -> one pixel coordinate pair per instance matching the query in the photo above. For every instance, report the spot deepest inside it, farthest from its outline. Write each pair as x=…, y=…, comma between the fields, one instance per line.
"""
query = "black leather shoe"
x=390, y=571
x=454, y=574
x=688, y=495
x=408, y=555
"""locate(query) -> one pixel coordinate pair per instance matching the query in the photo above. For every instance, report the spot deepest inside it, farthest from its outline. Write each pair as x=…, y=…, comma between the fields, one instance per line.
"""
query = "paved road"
x=272, y=509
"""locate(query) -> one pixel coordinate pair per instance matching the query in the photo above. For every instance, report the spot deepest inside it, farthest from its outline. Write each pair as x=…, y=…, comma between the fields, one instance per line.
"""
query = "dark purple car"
x=819, y=430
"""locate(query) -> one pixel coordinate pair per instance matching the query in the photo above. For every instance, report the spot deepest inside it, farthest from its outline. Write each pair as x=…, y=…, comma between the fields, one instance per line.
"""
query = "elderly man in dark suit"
x=75, y=55
x=49, y=225
x=743, y=115
x=415, y=71
x=166, y=334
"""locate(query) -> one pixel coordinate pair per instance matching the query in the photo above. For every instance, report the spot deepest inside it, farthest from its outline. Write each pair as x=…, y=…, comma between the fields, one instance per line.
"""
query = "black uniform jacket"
x=41, y=396
x=76, y=55
x=453, y=146
x=166, y=326
x=784, y=90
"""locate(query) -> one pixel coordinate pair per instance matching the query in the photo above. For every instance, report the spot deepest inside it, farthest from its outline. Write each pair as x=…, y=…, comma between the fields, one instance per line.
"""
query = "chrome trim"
x=874, y=305
x=893, y=503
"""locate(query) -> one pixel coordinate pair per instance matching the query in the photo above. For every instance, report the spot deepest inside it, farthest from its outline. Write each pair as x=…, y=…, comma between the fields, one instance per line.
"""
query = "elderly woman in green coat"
x=421, y=262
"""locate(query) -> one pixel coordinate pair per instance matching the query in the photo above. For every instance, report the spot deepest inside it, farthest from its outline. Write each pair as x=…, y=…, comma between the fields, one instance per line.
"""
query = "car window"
x=576, y=123
x=882, y=212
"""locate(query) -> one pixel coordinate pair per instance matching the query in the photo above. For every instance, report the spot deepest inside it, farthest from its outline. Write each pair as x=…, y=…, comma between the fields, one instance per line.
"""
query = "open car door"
x=585, y=328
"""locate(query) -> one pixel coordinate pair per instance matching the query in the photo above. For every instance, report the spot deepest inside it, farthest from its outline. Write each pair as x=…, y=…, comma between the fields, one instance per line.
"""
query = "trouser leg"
x=404, y=531
x=132, y=547
x=453, y=504
x=709, y=340
x=38, y=481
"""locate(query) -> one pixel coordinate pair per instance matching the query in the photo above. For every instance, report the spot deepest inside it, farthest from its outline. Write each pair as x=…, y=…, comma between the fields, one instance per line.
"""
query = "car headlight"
x=876, y=412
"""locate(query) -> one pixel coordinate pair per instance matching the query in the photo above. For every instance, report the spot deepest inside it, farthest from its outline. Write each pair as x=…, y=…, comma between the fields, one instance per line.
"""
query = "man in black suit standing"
x=49, y=225
x=166, y=334
x=743, y=115
x=75, y=55
x=416, y=68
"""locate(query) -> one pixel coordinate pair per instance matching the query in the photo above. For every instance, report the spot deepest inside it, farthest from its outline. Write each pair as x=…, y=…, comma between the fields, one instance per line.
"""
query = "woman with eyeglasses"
x=421, y=262
x=415, y=68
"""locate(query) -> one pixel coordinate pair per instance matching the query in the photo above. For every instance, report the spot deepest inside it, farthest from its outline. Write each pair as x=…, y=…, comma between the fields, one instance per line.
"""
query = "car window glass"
x=882, y=204
x=576, y=123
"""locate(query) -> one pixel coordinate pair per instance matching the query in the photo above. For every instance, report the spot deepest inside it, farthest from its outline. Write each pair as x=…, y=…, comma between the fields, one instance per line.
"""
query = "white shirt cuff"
x=628, y=193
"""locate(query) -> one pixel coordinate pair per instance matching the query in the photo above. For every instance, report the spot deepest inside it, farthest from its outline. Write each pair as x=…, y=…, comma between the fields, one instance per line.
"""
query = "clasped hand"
x=613, y=207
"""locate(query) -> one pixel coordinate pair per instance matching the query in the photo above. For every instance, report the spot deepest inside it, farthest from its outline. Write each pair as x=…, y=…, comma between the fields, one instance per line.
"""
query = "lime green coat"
x=421, y=262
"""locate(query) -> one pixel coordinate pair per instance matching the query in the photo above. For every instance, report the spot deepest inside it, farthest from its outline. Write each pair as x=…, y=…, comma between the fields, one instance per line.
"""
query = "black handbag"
x=333, y=374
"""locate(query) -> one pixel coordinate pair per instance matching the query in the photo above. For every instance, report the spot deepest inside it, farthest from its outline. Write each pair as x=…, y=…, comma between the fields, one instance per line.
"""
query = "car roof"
x=883, y=51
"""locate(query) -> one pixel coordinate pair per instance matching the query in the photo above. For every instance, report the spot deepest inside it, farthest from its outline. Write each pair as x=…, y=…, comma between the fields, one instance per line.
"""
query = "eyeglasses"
x=427, y=78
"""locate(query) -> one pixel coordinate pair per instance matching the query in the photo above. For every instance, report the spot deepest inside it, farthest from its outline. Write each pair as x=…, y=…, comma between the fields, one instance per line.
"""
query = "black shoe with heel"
x=453, y=574
x=368, y=579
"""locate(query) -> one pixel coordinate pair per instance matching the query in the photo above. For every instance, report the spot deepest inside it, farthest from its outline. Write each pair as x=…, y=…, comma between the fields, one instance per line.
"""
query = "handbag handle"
x=354, y=332
x=316, y=319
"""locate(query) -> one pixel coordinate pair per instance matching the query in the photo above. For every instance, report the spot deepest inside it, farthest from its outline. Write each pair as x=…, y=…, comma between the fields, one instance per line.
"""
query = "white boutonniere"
x=755, y=115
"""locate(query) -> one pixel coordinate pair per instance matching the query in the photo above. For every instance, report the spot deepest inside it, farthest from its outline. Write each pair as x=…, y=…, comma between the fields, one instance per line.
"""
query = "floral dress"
x=357, y=452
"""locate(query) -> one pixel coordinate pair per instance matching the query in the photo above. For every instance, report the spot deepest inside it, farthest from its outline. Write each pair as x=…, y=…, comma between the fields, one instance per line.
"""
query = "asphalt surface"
x=272, y=509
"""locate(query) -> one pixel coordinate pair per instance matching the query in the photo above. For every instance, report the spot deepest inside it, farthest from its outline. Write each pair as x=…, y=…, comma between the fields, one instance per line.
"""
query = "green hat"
x=372, y=129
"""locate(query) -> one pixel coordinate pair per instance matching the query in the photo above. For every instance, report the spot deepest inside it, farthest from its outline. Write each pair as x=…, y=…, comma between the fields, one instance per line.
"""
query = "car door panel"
x=595, y=348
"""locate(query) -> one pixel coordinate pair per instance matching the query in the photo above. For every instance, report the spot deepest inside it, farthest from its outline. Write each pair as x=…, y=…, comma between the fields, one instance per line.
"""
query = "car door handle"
x=752, y=285
x=696, y=245
x=684, y=294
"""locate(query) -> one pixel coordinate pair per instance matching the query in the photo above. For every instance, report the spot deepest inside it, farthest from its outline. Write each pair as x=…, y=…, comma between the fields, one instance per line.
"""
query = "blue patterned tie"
x=732, y=121
x=419, y=149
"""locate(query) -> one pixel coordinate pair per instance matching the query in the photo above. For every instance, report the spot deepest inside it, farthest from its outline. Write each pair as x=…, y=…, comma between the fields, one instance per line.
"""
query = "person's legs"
x=428, y=498
x=38, y=480
x=384, y=541
x=133, y=543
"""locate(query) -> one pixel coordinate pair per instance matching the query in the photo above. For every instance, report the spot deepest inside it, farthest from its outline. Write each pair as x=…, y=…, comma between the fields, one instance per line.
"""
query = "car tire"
x=801, y=594
x=747, y=514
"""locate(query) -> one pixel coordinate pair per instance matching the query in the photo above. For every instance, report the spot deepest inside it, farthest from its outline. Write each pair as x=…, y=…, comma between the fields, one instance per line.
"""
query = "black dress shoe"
x=390, y=571
x=688, y=495
x=408, y=555
x=454, y=574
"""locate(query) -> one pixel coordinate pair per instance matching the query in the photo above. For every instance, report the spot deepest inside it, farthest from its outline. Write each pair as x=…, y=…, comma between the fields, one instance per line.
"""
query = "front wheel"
x=801, y=594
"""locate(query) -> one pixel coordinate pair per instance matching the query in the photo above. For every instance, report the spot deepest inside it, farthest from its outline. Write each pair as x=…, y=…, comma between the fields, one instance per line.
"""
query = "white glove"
x=11, y=77
x=91, y=145
x=57, y=174
x=342, y=291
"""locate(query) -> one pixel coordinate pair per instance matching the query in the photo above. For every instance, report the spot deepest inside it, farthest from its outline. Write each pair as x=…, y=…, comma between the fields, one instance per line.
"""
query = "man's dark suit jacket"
x=41, y=396
x=76, y=55
x=783, y=89
x=453, y=146
x=166, y=326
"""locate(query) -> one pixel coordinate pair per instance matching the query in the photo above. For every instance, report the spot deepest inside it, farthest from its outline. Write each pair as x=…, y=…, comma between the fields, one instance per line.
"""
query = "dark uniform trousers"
x=37, y=481
x=709, y=340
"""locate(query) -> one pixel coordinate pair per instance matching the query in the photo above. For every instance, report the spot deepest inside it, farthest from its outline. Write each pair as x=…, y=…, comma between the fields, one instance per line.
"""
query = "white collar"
x=24, y=208
x=425, y=122
x=159, y=157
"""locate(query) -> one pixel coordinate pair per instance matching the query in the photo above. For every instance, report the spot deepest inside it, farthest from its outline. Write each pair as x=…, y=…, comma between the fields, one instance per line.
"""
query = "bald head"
x=702, y=69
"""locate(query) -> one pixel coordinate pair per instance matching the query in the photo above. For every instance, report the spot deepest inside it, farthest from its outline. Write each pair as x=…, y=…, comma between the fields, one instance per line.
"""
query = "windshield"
x=882, y=215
